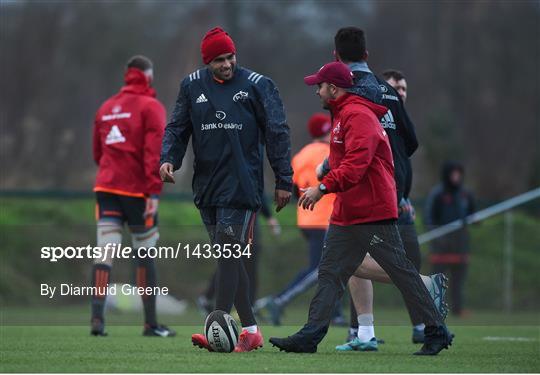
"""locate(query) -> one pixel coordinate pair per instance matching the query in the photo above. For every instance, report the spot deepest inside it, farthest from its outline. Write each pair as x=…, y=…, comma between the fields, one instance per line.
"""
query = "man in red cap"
x=128, y=129
x=312, y=224
x=234, y=114
x=364, y=214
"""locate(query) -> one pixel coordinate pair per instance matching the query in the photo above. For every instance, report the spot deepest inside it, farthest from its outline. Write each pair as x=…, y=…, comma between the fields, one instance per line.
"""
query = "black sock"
x=146, y=277
x=100, y=279
x=242, y=301
x=232, y=285
x=226, y=283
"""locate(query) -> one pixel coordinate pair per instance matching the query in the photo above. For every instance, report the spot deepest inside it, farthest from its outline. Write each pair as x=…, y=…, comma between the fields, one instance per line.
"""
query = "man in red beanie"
x=234, y=114
x=128, y=130
x=312, y=224
x=364, y=214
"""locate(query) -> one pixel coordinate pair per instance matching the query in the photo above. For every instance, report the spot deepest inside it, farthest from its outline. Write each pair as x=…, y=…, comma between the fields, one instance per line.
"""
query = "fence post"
x=508, y=266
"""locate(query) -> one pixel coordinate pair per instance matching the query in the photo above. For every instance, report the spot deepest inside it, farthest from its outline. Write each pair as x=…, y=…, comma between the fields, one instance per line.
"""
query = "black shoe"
x=435, y=340
x=289, y=345
x=159, y=330
x=417, y=336
x=97, y=327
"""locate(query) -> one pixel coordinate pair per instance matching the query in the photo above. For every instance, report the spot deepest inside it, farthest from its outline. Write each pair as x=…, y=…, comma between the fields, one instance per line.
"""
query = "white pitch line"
x=504, y=338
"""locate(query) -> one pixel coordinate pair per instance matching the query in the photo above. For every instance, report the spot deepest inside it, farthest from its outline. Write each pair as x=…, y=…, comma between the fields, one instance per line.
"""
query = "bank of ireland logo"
x=116, y=109
x=240, y=95
x=220, y=115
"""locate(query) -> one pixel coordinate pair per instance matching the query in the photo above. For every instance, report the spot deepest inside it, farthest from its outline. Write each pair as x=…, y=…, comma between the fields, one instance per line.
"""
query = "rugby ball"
x=221, y=331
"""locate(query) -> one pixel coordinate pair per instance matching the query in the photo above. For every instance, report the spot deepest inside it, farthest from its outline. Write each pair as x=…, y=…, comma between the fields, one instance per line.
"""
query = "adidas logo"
x=229, y=231
x=375, y=239
x=114, y=136
x=201, y=99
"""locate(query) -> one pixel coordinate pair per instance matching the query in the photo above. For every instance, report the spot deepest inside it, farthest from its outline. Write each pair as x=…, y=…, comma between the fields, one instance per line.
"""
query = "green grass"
x=26, y=224
x=52, y=335
x=71, y=349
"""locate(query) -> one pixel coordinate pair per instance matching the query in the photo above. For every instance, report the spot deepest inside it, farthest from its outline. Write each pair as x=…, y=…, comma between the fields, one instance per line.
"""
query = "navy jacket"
x=402, y=136
x=447, y=202
x=230, y=123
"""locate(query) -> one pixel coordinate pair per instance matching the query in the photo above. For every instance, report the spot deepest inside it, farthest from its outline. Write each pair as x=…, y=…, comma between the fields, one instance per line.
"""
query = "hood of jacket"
x=338, y=104
x=446, y=170
x=136, y=82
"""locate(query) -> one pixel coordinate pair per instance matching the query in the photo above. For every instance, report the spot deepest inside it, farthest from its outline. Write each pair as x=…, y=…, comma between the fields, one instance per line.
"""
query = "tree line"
x=472, y=69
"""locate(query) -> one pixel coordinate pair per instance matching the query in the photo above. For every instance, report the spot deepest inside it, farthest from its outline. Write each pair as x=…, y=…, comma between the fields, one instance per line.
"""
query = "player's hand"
x=412, y=211
x=407, y=208
x=310, y=197
x=166, y=172
x=281, y=198
x=274, y=225
x=151, y=207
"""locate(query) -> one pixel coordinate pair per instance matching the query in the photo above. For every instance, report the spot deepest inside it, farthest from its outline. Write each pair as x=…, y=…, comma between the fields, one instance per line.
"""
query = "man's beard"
x=221, y=76
x=326, y=104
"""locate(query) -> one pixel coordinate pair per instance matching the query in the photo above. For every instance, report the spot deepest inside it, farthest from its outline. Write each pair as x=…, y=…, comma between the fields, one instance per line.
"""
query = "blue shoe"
x=204, y=305
x=352, y=336
x=339, y=321
x=437, y=290
x=158, y=330
x=357, y=345
x=258, y=308
x=275, y=312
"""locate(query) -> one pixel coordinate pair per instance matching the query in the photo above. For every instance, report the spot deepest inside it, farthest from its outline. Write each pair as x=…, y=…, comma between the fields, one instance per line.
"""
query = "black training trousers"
x=231, y=228
x=344, y=250
x=409, y=238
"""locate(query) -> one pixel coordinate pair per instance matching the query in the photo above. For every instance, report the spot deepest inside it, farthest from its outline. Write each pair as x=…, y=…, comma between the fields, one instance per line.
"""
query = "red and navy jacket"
x=128, y=130
x=230, y=124
x=362, y=168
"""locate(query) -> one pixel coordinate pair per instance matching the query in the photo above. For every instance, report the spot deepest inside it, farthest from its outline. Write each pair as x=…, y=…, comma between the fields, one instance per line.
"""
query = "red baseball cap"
x=336, y=73
x=319, y=124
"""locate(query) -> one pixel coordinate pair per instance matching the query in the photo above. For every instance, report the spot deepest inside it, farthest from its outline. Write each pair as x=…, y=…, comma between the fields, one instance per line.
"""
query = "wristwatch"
x=323, y=189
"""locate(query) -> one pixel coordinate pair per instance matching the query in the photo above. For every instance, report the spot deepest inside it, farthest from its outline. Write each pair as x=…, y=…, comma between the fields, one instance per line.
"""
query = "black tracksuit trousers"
x=344, y=250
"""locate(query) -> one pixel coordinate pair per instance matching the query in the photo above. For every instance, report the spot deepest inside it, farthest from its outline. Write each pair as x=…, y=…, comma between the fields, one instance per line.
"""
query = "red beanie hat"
x=319, y=125
x=216, y=42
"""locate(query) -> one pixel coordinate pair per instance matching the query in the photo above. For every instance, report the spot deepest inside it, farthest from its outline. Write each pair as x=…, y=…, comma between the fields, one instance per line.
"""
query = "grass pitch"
x=71, y=349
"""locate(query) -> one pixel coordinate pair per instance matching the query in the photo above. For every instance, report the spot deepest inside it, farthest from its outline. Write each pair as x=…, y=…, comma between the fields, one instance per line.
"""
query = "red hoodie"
x=362, y=168
x=128, y=130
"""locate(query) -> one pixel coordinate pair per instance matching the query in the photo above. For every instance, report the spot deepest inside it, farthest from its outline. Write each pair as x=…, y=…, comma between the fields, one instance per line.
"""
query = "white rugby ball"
x=221, y=331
